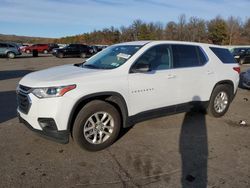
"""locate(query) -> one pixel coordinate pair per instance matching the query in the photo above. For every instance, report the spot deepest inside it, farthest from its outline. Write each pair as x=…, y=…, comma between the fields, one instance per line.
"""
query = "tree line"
x=230, y=31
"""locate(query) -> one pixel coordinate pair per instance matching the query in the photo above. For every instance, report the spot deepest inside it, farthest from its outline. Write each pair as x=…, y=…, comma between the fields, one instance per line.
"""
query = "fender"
x=228, y=82
x=112, y=97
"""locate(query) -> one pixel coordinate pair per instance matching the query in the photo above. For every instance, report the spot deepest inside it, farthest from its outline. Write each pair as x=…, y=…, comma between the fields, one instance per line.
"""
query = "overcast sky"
x=58, y=18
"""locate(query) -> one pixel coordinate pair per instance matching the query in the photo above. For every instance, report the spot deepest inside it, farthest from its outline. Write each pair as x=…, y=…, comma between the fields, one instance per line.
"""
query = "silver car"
x=246, y=79
x=11, y=50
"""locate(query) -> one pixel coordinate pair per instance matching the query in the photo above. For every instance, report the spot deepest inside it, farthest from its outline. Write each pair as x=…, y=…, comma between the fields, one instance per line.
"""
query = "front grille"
x=23, y=102
x=24, y=88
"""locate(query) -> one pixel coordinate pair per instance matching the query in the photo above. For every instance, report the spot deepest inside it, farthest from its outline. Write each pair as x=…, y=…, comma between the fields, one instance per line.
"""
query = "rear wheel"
x=60, y=55
x=96, y=126
x=220, y=100
x=11, y=55
x=83, y=55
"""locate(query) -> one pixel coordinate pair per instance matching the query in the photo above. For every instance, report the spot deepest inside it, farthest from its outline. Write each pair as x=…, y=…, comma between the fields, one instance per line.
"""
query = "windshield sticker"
x=124, y=56
x=115, y=64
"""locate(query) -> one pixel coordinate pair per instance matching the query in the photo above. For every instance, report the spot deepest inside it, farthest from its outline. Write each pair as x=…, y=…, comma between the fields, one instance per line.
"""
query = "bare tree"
x=246, y=31
x=171, y=31
x=181, y=27
x=233, y=28
x=196, y=30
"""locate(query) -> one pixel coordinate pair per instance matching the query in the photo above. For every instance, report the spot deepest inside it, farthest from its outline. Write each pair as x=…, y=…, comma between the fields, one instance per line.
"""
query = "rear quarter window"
x=224, y=55
x=11, y=46
x=3, y=45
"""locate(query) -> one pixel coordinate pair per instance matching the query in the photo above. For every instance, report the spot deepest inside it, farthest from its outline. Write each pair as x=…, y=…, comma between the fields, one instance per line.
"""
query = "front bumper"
x=246, y=84
x=54, y=135
x=54, y=53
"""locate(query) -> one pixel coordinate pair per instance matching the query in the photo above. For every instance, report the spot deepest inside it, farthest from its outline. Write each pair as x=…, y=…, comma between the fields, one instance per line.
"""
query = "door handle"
x=210, y=72
x=171, y=76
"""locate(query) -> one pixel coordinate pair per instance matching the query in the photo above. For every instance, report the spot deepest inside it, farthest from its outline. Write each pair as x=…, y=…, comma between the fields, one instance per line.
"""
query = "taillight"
x=237, y=69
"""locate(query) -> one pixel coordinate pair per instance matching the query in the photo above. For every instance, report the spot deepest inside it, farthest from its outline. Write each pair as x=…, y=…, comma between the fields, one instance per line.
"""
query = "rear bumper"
x=54, y=135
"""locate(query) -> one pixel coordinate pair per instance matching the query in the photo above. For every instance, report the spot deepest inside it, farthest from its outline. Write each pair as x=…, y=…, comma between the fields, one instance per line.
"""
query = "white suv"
x=124, y=84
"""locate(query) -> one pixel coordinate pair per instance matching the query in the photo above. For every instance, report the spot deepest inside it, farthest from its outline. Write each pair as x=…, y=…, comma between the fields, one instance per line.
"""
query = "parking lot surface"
x=183, y=150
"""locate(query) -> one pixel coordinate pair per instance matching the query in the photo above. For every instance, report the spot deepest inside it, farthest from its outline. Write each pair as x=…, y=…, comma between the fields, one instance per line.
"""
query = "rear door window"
x=224, y=55
x=2, y=45
x=187, y=56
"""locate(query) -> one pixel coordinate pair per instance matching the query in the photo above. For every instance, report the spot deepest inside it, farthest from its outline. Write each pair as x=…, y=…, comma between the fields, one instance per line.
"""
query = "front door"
x=157, y=87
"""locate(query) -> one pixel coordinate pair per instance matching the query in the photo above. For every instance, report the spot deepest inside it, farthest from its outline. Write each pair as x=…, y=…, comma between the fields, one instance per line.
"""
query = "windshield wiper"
x=90, y=66
x=79, y=64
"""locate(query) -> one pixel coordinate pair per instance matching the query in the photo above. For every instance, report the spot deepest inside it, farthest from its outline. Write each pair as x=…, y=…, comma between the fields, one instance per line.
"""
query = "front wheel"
x=220, y=100
x=97, y=126
x=83, y=55
x=11, y=55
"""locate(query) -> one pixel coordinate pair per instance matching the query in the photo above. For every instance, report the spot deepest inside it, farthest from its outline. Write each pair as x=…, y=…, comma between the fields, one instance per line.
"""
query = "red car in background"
x=41, y=48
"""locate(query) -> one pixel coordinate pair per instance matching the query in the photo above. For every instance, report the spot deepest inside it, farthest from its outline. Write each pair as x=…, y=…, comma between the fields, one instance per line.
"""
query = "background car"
x=73, y=50
x=244, y=57
x=53, y=46
x=101, y=47
x=11, y=50
x=40, y=48
x=23, y=46
x=93, y=49
x=245, y=79
x=239, y=54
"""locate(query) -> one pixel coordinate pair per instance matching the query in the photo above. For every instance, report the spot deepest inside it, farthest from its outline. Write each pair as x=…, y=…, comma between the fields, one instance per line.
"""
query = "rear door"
x=83, y=49
x=195, y=74
x=13, y=48
x=70, y=50
x=75, y=50
x=39, y=48
x=3, y=48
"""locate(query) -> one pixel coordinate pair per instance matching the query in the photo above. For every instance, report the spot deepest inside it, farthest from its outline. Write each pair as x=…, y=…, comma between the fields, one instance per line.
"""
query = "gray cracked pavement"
x=182, y=150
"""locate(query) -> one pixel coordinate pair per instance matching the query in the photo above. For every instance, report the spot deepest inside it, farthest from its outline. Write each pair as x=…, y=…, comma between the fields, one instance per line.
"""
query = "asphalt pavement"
x=183, y=150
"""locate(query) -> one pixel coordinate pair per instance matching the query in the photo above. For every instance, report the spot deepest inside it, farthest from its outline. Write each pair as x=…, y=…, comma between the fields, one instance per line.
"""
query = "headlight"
x=49, y=92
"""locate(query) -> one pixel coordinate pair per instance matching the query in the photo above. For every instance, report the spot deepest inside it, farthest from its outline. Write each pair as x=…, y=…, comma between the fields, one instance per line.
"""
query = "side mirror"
x=141, y=68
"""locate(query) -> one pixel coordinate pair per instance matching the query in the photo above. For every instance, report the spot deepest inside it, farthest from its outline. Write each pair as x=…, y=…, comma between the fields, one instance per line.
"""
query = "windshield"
x=112, y=57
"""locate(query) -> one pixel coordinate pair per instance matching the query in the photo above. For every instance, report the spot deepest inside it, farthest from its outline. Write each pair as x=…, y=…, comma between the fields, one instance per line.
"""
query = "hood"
x=56, y=76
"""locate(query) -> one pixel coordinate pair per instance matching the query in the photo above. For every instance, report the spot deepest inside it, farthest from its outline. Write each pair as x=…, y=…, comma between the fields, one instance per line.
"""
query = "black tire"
x=60, y=55
x=241, y=80
x=11, y=55
x=88, y=111
x=227, y=90
x=83, y=55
